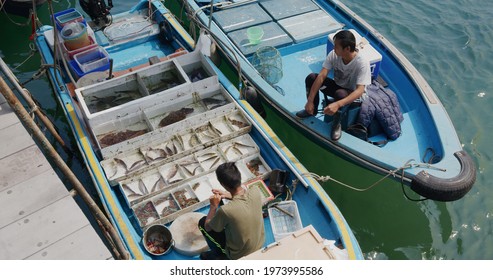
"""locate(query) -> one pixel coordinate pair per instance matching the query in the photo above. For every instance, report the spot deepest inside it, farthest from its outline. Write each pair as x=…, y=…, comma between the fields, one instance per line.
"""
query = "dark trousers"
x=215, y=240
x=328, y=88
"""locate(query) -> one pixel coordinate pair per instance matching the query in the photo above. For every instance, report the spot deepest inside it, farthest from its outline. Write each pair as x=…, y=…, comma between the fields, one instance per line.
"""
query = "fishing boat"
x=20, y=7
x=153, y=117
x=294, y=38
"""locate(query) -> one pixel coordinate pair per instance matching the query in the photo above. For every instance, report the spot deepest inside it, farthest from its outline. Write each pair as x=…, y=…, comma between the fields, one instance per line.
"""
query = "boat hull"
x=85, y=122
x=428, y=147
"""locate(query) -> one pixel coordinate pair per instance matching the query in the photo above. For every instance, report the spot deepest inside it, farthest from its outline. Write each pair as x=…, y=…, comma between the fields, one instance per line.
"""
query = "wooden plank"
x=15, y=132
x=21, y=166
x=29, y=196
x=7, y=115
x=83, y=244
x=41, y=229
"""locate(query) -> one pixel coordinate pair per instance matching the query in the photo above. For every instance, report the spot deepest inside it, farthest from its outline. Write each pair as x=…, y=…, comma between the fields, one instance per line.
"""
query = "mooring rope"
x=393, y=173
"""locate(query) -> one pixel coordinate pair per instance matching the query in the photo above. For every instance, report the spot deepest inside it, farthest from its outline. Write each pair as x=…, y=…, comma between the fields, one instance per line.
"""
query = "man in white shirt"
x=351, y=76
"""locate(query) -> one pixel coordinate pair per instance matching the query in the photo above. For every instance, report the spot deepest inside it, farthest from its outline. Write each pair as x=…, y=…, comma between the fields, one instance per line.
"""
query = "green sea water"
x=450, y=44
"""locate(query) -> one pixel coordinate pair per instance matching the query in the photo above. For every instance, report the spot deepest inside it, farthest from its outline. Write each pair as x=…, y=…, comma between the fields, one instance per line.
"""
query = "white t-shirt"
x=356, y=72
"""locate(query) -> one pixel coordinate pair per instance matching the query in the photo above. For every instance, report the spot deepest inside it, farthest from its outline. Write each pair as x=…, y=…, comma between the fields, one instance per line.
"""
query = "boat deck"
x=38, y=217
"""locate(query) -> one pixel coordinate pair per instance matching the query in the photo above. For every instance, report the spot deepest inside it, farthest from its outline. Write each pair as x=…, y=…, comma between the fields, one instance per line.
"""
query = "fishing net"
x=268, y=62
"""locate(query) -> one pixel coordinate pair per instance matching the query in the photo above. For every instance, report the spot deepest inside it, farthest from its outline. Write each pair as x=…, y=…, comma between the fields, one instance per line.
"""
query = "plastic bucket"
x=255, y=34
x=75, y=36
x=158, y=240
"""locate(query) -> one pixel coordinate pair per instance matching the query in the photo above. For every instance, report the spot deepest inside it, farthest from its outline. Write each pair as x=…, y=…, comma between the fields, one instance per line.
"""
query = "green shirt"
x=243, y=224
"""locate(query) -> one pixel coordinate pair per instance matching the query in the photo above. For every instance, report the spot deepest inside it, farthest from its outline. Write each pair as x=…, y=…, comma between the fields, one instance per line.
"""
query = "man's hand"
x=223, y=194
x=332, y=108
x=309, y=107
x=214, y=200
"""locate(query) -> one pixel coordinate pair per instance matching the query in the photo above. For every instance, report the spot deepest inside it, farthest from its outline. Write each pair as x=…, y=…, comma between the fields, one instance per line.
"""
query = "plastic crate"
x=64, y=17
x=69, y=54
x=92, y=59
x=283, y=224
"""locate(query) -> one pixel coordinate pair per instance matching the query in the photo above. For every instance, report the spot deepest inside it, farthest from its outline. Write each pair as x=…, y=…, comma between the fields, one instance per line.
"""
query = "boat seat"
x=287, y=8
x=310, y=25
x=240, y=17
x=274, y=36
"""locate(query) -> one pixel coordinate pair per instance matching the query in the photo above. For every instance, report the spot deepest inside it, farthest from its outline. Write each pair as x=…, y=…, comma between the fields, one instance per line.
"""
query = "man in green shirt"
x=235, y=229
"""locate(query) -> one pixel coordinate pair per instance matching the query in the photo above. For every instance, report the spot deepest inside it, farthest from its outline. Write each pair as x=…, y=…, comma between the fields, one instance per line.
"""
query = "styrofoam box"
x=283, y=224
x=365, y=49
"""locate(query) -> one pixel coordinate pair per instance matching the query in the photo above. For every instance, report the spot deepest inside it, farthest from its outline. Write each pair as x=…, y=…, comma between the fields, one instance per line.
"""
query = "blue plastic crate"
x=66, y=16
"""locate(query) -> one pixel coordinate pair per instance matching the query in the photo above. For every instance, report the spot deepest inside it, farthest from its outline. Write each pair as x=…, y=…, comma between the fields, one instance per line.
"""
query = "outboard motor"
x=97, y=10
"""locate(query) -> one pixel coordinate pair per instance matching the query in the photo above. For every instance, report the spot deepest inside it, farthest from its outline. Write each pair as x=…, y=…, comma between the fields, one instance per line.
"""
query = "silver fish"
x=142, y=188
x=136, y=165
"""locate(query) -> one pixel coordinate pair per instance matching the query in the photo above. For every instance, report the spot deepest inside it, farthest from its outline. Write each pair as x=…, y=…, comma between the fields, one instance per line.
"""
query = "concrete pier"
x=39, y=219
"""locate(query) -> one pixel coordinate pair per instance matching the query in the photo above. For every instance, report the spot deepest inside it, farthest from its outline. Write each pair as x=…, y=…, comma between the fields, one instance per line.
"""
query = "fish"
x=136, y=165
x=113, y=138
x=128, y=189
x=193, y=141
x=158, y=185
x=195, y=186
x=142, y=188
x=216, y=161
x=121, y=162
x=155, y=154
x=172, y=172
x=238, y=123
x=215, y=102
x=175, y=116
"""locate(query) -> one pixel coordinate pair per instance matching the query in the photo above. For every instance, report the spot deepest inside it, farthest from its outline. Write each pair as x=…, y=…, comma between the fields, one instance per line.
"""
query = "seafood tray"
x=115, y=132
x=165, y=204
x=122, y=166
x=161, y=77
x=203, y=187
x=142, y=187
x=185, y=196
x=215, y=101
x=239, y=147
x=110, y=95
x=190, y=167
x=195, y=67
x=210, y=159
x=238, y=122
x=171, y=173
x=146, y=213
x=255, y=167
x=162, y=116
x=171, y=204
x=264, y=190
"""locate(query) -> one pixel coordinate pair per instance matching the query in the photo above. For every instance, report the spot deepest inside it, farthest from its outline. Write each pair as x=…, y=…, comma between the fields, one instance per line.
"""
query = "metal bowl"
x=158, y=240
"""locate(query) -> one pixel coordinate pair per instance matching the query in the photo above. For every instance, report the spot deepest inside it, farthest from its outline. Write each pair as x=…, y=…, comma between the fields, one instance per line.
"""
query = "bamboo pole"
x=31, y=126
x=34, y=108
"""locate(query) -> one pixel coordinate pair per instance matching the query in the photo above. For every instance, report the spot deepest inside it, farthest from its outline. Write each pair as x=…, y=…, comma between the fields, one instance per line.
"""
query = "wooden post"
x=31, y=126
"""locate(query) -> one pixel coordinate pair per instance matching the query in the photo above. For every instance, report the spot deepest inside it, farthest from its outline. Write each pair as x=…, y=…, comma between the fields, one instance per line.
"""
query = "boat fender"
x=252, y=98
x=215, y=57
x=449, y=189
x=166, y=31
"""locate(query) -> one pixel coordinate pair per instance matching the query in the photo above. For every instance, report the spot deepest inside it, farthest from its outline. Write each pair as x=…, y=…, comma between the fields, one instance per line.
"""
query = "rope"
x=31, y=53
x=407, y=165
x=16, y=23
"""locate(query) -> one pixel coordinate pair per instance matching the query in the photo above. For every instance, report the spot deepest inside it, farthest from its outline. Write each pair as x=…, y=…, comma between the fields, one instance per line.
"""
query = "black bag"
x=360, y=131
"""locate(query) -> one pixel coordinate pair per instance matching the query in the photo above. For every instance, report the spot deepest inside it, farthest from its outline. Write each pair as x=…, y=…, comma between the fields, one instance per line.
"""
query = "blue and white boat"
x=153, y=134
x=428, y=155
